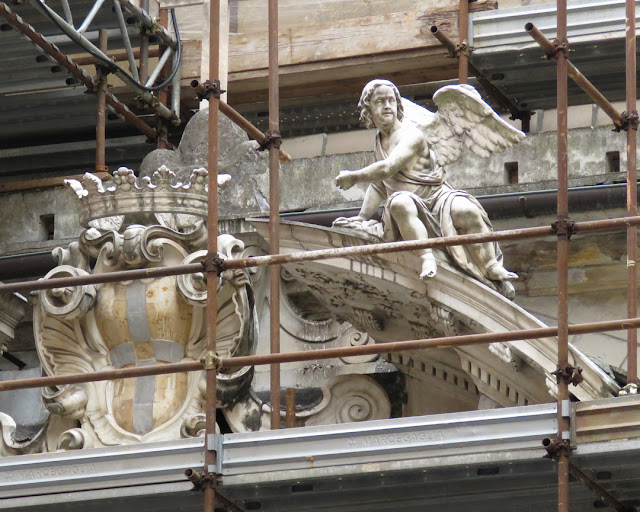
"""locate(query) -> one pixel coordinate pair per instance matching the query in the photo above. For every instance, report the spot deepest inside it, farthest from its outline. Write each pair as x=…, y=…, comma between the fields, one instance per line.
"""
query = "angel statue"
x=412, y=147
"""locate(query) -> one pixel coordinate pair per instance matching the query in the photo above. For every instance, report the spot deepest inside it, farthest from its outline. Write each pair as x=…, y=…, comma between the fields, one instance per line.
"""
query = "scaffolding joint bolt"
x=272, y=139
x=210, y=361
x=213, y=263
x=569, y=374
x=629, y=122
x=201, y=479
x=564, y=227
x=463, y=49
x=209, y=88
x=558, y=49
x=556, y=447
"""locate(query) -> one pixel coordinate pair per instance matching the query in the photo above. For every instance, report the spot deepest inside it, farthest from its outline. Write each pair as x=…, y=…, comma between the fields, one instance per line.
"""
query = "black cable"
x=112, y=65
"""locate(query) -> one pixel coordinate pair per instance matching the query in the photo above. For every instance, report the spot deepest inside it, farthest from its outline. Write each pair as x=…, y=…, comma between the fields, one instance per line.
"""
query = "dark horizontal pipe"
x=26, y=265
x=327, y=353
x=506, y=206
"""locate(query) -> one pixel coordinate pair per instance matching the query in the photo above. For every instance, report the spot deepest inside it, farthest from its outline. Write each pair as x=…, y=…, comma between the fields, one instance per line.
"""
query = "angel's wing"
x=463, y=121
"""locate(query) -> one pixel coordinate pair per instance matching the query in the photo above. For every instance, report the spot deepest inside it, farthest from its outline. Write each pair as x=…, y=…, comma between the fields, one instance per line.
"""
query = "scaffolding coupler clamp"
x=213, y=263
x=558, y=49
x=564, y=227
x=272, y=139
x=201, y=479
x=210, y=361
x=462, y=49
x=629, y=122
x=210, y=88
x=570, y=374
x=556, y=447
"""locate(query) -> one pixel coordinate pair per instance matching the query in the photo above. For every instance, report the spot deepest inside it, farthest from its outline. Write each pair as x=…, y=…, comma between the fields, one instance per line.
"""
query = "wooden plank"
x=346, y=38
x=252, y=13
x=191, y=57
x=308, y=80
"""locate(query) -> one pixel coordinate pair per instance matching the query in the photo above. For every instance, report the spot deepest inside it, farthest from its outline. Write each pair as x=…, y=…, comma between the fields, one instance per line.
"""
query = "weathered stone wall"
x=308, y=183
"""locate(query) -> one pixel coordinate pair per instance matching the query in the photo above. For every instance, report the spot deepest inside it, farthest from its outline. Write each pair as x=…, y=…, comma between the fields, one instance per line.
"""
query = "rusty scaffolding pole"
x=273, y=140
x=463, y=47
x=563, y=371
x=101, y=93
x=73, y=69
x=632, y=193
x=210, y=366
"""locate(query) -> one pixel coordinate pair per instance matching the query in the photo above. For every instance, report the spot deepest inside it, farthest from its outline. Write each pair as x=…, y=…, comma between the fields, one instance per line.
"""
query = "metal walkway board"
x=403, y=443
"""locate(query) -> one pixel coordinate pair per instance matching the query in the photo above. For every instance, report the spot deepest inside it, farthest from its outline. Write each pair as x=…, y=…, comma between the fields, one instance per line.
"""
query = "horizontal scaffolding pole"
x=108, y=277
x=323, y=254
x=326, y=353
x=581, y=81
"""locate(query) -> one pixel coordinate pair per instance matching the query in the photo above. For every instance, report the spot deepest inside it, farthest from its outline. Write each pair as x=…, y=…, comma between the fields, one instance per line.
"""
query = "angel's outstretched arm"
x=410, y=147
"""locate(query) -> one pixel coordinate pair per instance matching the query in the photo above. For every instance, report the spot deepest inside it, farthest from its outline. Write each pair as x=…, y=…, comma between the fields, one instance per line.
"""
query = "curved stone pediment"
x=384, y=296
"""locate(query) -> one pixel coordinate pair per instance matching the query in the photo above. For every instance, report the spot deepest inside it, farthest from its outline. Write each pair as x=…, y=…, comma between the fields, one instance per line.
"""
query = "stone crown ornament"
x=129, y=195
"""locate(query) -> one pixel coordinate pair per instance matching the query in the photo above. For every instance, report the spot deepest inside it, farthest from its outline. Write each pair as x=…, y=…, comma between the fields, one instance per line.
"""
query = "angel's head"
x=366, y=108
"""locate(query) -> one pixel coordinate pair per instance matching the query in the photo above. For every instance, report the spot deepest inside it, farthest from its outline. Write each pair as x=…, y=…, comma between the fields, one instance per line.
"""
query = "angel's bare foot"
x=497, y=272
x=429, y=267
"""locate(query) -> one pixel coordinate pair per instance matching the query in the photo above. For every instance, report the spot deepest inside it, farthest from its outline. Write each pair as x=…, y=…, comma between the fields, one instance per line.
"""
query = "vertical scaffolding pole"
x=212, y=245
x=463, y=47
x=632, y=194
x=101, y=116
x=290, y=418
x=143, y=73
x=162, y=125
x=563, y=252
x=274, y=208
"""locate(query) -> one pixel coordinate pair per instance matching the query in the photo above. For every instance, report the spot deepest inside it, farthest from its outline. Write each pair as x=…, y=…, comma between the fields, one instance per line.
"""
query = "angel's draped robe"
x=433, y=197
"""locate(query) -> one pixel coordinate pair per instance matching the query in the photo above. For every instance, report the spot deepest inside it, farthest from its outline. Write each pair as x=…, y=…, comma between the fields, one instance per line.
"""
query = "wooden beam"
x=345, y=75
x=346, y=38
x=341, y=56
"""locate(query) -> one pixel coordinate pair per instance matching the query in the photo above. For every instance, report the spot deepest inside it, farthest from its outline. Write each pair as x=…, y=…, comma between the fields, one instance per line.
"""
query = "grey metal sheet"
x=587, y=21
x=404, y=443
x=102, y=468
x=515, y=64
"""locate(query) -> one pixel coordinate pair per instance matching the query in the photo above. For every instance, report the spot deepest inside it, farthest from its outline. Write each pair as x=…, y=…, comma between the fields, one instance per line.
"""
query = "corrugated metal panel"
x=38, y=99
x=515, y=64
